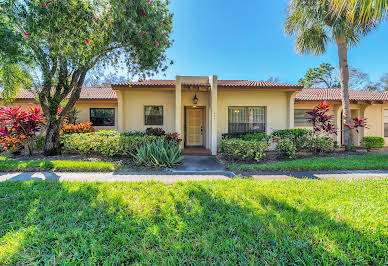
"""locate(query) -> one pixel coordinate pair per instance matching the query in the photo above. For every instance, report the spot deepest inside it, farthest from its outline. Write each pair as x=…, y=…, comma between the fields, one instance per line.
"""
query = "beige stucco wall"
x=374, y=114
x=133, y=108
x=275, y=103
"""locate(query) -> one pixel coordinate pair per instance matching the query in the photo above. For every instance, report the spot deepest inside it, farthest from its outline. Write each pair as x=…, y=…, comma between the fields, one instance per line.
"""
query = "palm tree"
x=366, y=10
x=314, y=26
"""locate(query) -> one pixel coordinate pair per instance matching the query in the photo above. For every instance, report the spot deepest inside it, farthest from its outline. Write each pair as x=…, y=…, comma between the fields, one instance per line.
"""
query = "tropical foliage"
x=65, y=39
x=321, y=120
x=314, y=26
x=78, y=128
x=18, y=128
x=360, y=11
x=159, y=153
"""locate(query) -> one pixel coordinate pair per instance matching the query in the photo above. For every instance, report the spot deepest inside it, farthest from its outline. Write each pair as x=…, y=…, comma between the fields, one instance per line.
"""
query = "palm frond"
x=360, y=11
x=311, y=40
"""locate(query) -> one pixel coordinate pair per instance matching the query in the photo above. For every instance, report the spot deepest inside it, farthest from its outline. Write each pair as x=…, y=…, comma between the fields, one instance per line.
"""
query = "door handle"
x=201, y=130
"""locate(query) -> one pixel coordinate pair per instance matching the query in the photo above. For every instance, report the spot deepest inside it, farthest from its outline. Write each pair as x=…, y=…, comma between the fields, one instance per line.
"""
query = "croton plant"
x=19, y=127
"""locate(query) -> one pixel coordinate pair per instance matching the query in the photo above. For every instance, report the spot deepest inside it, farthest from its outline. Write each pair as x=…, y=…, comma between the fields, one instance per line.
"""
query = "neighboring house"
x=201, y=109
x=364, y=104
x=96, y=104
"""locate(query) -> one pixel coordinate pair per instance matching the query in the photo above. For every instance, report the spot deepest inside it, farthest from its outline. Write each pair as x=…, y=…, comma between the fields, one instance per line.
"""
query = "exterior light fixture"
x=195, y=99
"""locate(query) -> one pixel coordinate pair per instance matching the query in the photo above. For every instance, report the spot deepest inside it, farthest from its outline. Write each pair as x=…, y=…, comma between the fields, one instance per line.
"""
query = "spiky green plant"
x=159, y=153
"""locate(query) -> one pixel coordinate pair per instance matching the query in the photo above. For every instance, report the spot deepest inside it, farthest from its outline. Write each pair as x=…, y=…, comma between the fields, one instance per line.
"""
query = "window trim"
x=246, y=107
x=163, y=114
x=114, y=116
x=307, y=110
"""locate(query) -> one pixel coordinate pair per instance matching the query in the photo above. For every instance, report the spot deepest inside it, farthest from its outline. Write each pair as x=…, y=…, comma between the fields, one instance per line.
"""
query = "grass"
x=7, y=164
x=238, y=221
x=356, y=162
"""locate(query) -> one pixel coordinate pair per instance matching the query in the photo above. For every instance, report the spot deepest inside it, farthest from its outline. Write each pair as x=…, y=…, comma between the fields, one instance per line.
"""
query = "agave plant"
x=159, y=153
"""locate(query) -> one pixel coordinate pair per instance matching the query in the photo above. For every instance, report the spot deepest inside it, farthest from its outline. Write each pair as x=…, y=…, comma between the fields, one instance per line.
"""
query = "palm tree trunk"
x=344, y=81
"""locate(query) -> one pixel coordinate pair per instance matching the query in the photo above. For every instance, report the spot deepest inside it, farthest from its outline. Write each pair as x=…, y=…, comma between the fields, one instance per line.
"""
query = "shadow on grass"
x=190, y=223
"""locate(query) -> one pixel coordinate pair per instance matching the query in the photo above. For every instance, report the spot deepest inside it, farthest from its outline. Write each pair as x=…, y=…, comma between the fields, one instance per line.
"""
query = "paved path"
x=166, y=177
x=169, y=177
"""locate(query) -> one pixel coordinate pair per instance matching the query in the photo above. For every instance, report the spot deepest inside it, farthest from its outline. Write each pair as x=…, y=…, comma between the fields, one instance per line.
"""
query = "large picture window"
x=153, y=115
x=301, y=118
x=246, y=119
x=102, y=116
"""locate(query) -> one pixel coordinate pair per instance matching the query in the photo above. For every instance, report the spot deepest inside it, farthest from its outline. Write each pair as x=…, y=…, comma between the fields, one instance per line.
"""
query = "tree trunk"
x=344, y=81
x=52, y=144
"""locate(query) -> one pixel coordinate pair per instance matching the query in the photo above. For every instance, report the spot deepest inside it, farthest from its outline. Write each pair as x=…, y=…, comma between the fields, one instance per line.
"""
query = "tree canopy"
x=64, y=39
x=327, y=76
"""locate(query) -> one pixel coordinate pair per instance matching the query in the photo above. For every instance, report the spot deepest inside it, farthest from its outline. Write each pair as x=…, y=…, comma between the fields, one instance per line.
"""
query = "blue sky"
x=245, y=40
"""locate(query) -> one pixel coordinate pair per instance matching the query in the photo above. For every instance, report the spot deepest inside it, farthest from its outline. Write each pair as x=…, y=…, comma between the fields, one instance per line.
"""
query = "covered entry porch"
x=196, y=114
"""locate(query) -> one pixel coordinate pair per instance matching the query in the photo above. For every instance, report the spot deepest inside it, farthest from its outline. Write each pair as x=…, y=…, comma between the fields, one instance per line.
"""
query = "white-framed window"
x=247, y=119
x=153, y=115
x=301, y=118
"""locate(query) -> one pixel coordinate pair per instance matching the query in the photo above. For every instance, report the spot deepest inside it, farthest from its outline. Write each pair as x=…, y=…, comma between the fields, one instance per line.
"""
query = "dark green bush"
x=233, y=135
x=372, y=143
x=286, y=148
x=134, y=133
x=238, y=149
x=317, y=145
x=111, y=144
x=155, y=131
x=298, y=136
x=257, y=136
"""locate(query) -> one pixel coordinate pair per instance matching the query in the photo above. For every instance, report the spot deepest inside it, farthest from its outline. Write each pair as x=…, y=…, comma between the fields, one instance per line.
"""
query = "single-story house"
x=201, y=109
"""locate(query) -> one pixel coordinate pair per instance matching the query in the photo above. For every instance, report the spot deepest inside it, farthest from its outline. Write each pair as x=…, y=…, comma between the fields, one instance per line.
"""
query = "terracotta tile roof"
x=333, y=94
x=221, y=84
x=87, y=93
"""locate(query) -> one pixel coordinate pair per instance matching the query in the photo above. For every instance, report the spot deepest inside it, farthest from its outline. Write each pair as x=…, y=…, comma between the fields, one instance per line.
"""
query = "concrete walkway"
x=169, y=177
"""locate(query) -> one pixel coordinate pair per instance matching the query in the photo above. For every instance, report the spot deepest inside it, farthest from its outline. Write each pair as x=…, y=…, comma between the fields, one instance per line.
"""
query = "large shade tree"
x=314, y=26
x=67, y=38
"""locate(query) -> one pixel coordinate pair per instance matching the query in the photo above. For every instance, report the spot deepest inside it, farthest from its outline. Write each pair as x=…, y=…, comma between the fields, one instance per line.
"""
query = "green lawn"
x=238, y=221
x=356, y=162
x=7, y=164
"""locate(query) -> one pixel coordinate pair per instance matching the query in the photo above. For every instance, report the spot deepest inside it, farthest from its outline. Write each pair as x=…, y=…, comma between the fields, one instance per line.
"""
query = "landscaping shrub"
x=79, y=128
x=173, y=137
x=134, y=133
x=257, y=136
x=372, y=143
x=317, y=145
x=286, y=148
x=233, y=135
x=108, y=145
x=159, y=153
x=18, y=128
x=238, y=149
x=298, y=136
x=155, y=132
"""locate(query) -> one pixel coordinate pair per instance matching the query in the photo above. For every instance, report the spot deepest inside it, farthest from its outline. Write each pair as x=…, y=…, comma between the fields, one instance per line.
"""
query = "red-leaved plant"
x=173, y=137
x=357, y=124
x=320, y=120
x=18, y=127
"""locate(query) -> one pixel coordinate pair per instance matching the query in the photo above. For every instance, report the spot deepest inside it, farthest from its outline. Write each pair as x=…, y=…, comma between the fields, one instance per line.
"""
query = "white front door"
x=194, y=127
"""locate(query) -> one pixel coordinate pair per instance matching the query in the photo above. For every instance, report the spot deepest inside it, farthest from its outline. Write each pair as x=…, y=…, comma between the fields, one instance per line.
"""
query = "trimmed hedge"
x=108, y=143
x=238, y=149
x=299, y=136
x=372, y=142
